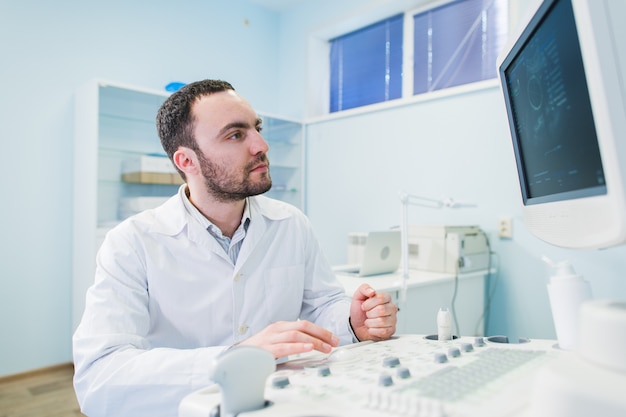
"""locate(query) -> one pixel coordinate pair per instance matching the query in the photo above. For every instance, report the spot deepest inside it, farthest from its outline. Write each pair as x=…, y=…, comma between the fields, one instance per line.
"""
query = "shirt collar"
x=206, y=223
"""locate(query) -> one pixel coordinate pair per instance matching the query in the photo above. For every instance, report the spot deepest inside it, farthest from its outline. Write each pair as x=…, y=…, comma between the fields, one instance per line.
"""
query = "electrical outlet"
x=505, y=228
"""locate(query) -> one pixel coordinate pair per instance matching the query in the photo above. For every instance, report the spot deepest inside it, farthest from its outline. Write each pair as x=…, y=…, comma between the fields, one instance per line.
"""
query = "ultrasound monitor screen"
x=547, y=98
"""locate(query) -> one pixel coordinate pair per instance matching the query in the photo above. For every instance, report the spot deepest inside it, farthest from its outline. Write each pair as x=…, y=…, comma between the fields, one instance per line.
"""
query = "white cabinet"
x=115, y=124
x=286, y=155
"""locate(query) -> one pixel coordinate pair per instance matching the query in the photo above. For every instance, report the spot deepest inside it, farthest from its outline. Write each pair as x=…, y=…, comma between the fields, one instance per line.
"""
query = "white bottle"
x=567, y=291
x=444, y=324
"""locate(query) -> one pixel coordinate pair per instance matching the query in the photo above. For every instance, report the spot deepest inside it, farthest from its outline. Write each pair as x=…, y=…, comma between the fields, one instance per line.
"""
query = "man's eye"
x=259, y=129
x=235, y=136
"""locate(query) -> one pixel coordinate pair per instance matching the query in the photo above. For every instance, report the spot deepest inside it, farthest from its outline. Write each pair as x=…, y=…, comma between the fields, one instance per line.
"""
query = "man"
x=217, y=265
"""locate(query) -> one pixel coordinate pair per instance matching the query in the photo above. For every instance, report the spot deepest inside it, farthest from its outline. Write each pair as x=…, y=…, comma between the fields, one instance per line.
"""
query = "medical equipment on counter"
x=567, y=291
x=406, y=376
x=414, y=200
x=451, y=249
x=423, y=376
x=381, y=255
x=444, y=324
x=356, y=247
x=591, y=380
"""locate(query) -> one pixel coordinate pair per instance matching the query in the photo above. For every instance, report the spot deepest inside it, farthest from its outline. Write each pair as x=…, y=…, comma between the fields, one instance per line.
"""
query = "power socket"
x=505, y=228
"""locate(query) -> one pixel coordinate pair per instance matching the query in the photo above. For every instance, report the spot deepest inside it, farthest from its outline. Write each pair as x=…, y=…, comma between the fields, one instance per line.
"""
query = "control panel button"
x=323, y=370
x=280, y=382
x=391, y=362
x=385, y=380
x=454, y=352
x=467, y=347
x=403, y=373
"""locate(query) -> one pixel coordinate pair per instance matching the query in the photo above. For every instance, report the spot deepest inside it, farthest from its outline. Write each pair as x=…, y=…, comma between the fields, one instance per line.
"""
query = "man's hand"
x=372, y=314
x=286, y=338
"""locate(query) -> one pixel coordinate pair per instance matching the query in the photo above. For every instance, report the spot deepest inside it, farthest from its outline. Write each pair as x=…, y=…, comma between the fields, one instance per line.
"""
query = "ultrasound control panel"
x=406, y=376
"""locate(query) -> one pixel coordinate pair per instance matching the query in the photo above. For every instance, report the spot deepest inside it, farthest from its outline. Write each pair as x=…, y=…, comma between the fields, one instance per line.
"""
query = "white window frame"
x=318, y=89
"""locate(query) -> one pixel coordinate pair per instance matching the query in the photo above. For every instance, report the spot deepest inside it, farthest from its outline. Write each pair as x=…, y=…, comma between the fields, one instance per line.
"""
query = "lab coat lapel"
x=263, y=212
x=255, y=234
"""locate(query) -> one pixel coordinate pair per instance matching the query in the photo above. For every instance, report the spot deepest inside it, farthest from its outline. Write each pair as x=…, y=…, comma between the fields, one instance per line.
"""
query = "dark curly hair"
x=175, y=121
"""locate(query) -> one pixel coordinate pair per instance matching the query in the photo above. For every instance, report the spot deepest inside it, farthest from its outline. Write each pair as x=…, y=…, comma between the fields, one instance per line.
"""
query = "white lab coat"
x=167, y=299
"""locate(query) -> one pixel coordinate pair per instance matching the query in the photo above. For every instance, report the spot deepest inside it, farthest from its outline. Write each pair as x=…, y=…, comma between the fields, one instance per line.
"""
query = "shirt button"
x=243, y=329
x=237, y=276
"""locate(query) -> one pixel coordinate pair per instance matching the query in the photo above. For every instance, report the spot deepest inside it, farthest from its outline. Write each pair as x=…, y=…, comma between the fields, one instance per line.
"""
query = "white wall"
x=456, y=146
x=47, y=49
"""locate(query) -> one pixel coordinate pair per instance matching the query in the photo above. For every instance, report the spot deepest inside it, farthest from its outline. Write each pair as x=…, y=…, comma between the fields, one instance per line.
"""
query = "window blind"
x=458, y=43
x=366, y=65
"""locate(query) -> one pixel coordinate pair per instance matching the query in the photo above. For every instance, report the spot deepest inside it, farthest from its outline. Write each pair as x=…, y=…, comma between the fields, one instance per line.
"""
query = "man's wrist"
x=355, y=339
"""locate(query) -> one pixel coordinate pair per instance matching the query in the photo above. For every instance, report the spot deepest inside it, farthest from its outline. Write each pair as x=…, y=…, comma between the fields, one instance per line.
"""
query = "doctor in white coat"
x=217, y=265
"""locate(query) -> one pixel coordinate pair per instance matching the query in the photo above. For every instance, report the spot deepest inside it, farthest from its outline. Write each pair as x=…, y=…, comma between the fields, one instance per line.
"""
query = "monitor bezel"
x=521, y=41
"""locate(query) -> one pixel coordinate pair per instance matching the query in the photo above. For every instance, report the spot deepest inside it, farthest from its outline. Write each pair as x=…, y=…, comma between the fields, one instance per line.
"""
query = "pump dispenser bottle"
x=567, y=291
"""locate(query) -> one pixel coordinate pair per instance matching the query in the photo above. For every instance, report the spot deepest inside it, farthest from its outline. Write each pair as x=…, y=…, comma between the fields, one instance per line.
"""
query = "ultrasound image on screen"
x=547, y=89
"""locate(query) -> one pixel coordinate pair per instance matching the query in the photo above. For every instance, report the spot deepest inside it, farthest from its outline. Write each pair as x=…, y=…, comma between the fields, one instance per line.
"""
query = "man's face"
x=233, y=154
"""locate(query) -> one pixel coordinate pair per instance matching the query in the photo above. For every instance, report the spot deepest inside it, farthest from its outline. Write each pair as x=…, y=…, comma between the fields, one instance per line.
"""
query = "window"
x=453, y=44
x=366, y=65
x=457, y=43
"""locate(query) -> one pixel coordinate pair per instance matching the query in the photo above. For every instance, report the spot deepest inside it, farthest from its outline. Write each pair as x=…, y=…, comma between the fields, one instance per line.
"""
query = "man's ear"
x=186, y=160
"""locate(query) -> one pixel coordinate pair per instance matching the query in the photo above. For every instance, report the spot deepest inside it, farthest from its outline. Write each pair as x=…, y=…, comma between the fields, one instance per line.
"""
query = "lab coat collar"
x=171, y=218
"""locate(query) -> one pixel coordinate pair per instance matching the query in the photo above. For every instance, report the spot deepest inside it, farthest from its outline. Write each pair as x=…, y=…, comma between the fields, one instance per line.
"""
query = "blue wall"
x=48, y=49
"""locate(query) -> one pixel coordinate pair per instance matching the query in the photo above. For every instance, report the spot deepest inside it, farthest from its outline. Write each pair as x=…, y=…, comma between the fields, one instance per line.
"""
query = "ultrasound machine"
x=563, y=79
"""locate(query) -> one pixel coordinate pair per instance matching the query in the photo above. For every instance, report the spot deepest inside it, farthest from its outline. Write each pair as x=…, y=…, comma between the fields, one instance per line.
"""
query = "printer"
x=447, y=249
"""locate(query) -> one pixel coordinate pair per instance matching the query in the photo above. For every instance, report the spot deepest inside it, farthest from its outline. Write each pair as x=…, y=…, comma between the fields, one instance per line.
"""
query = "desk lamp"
x=414, y=200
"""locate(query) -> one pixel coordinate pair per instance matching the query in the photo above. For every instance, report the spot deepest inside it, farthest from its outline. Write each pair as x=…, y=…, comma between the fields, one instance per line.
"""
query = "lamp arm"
x=415, y=200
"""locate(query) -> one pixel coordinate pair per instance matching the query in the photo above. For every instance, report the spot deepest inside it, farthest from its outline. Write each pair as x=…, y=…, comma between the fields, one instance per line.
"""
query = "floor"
x=43, y=393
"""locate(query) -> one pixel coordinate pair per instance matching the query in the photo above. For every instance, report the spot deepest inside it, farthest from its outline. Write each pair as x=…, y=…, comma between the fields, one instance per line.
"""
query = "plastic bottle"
x=444, y=324
x=567, y=291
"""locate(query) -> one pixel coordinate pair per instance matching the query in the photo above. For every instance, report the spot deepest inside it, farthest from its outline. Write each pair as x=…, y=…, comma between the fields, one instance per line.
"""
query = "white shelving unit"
x=286, y=155
x=116, y=122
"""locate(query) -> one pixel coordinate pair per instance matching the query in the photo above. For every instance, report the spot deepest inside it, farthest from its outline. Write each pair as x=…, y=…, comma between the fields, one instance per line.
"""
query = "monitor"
x=563, y=79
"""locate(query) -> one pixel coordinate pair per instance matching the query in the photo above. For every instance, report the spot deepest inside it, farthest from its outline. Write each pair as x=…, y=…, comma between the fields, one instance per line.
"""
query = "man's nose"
x=258, y=144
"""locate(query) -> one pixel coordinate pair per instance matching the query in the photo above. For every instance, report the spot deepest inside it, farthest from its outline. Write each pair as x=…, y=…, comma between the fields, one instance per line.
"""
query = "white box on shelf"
x=148, y=163
x=133, y=205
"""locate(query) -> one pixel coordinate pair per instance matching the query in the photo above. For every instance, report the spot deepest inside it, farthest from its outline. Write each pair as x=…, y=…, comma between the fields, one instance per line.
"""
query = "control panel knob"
x=385, y=380
x=403, y=373
x=241, y=373
x=440, y=357
x=467, y=347
x=323, y=370
x=280, y=382
x=454, y=352
x=479, y=342
x=391, y=362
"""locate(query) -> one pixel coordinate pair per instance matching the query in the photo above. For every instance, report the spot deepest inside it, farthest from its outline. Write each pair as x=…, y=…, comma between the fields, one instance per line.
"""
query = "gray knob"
x=391, y=362
x=454, y=352
x=323, y=371
x=467, y=347
x=403, y=373
x=440, y=357
x=280, y=382
x=385, y=380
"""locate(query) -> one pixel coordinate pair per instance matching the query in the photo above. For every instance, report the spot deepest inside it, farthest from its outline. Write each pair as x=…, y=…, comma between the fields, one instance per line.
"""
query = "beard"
x=226, y=186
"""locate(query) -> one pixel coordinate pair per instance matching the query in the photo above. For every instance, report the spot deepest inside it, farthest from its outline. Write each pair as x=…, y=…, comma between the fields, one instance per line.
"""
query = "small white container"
x=567, y=291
